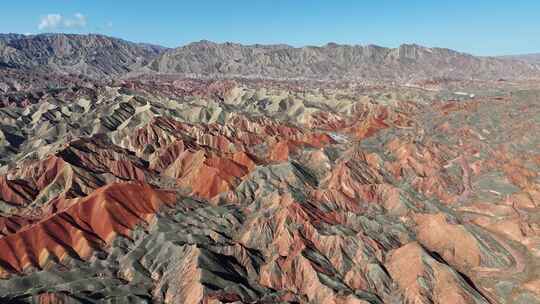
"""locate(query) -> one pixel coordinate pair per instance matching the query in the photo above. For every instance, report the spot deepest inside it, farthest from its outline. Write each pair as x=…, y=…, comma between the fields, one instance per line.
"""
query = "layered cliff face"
x=189, y=191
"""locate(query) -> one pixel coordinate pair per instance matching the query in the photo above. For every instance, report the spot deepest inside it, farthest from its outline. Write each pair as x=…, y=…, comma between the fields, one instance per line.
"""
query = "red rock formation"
x=12, y=224
x=16, y=192
x=426, y=280
x=81, y=226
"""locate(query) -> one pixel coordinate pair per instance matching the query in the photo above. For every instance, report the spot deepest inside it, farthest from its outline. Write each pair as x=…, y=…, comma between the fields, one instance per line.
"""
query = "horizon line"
x=267, y=44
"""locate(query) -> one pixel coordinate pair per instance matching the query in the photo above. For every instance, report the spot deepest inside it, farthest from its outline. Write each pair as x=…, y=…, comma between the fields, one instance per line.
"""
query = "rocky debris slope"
x=191, y=191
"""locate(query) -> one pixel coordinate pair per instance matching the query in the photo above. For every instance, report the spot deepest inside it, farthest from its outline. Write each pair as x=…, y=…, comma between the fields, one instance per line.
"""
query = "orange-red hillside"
x=82, y=225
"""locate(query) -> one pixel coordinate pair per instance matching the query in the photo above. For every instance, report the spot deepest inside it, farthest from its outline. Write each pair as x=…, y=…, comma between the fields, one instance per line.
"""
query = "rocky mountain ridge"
x=532, y=58
x=95, y=56
x=100, y=57
x=407, y=63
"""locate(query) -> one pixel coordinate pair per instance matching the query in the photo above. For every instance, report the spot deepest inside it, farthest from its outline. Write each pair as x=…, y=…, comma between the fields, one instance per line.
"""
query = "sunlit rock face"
x=172, y=190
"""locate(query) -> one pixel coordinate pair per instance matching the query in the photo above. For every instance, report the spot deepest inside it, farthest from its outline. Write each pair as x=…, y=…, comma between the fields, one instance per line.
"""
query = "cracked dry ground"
x=270, y=195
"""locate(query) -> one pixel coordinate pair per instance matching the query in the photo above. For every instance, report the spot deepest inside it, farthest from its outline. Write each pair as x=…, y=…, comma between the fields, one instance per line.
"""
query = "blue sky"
x=481, y=27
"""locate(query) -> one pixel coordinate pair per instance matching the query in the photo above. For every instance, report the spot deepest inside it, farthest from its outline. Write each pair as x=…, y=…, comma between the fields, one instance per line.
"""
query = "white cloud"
x=78, y=21
x=50, y=22
x=57, y=21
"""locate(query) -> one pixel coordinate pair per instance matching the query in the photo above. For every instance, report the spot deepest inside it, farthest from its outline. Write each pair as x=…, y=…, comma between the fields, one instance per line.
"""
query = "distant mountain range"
x=99, y=57
x=90, y=55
